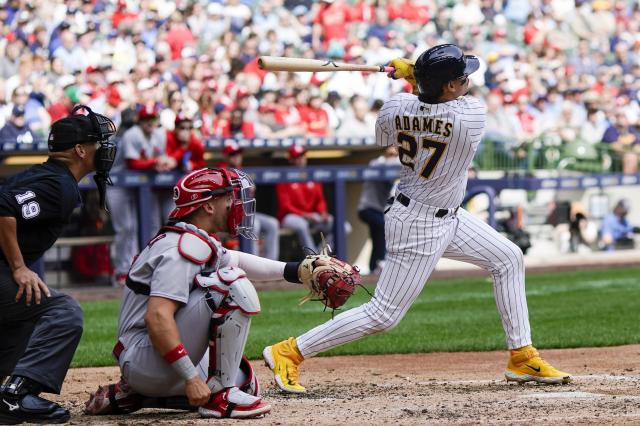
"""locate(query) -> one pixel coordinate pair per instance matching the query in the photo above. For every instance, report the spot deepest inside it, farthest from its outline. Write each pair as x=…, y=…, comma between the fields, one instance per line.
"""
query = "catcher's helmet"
x=200, y=186
x=442, y=63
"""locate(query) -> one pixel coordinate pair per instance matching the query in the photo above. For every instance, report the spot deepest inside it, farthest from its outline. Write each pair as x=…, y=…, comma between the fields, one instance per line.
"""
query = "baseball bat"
x=280, y=63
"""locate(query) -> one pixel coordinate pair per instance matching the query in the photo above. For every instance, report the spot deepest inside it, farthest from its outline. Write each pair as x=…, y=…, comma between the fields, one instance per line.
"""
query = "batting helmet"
x=441, y=64
x=196, y=188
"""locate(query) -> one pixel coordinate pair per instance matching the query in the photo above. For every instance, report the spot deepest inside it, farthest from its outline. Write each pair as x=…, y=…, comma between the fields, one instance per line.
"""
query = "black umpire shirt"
x=41, y=199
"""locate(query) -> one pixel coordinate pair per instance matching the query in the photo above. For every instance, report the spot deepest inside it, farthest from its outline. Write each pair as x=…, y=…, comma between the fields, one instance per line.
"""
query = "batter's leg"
x=413, y=250
x=478, y=243
x=414, y=245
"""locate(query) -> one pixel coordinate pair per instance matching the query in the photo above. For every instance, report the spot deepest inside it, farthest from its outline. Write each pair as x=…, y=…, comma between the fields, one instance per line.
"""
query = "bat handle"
x=387, y=69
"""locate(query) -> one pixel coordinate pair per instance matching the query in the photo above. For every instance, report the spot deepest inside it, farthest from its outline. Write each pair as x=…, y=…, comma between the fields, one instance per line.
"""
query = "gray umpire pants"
x=37, y=341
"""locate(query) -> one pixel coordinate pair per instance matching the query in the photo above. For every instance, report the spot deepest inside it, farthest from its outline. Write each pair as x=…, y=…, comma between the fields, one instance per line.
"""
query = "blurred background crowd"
x=567, y=69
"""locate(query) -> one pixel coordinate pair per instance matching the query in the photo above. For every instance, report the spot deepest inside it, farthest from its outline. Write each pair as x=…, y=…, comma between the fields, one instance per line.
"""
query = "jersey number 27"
x=408, y=147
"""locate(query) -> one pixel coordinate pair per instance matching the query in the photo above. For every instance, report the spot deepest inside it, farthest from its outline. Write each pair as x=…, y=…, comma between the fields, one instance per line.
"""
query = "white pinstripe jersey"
x=436, y=142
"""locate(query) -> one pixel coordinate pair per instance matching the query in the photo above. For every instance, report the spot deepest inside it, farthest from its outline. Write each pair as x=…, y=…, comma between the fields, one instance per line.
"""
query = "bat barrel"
x=274, y=63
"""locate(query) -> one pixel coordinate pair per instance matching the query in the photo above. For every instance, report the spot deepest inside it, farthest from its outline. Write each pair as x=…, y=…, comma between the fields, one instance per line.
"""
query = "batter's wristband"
x=178, y=359
x=291, y=272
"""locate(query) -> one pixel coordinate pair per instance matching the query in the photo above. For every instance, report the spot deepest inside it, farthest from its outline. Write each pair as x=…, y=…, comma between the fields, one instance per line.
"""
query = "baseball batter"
x=187, y=307
x=437, y=133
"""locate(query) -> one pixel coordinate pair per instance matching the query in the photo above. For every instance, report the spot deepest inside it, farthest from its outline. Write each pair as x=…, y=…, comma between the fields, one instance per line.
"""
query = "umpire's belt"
x=439, y=213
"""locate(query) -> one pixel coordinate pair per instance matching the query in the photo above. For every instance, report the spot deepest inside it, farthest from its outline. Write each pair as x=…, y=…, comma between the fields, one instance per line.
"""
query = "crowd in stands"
x=565, y=68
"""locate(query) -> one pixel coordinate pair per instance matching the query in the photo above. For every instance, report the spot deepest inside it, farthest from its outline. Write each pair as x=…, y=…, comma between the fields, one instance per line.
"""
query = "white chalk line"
x=576, y=380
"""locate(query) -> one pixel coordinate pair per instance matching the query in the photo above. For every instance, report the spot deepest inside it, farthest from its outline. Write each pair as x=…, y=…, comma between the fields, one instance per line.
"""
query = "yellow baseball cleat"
x=284, y=359
x=526, y=365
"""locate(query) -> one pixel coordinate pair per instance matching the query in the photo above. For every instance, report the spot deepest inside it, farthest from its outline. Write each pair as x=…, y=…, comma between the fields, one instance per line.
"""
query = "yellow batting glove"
x=403, y=69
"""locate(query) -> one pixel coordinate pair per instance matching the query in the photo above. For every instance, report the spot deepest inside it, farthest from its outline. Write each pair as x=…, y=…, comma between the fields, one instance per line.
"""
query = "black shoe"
x=31, y=409
x=19, y=402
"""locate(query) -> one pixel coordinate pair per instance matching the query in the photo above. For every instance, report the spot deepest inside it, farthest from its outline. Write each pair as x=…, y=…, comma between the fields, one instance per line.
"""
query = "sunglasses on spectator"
x=185, y=127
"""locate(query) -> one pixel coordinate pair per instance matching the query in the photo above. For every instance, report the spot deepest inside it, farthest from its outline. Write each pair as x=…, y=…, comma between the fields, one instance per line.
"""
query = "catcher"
x=188, y=303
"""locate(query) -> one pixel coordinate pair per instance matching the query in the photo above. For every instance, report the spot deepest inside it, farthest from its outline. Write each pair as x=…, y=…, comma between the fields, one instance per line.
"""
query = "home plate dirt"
x=439, y=388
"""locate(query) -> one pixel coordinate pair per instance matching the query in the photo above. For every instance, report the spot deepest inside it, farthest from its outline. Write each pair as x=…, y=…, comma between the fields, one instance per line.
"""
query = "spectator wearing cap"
x=617, y=232
x=301, y=205
x=141, y=148
x=184, y=146
x=265, y=226
x=16, y=129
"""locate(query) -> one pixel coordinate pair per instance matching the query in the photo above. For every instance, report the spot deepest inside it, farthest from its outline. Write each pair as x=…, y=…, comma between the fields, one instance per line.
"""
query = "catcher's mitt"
x=328, y=279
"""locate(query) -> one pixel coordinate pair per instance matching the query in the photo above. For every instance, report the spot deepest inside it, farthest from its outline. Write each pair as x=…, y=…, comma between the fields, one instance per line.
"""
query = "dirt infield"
x=438, y=388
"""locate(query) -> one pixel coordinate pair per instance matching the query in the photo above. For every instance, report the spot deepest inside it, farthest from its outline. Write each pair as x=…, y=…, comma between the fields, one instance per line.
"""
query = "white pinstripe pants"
x=416, y=240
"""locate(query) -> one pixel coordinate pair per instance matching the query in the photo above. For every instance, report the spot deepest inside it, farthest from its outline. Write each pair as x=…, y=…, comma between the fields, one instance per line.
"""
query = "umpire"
x=39, y=327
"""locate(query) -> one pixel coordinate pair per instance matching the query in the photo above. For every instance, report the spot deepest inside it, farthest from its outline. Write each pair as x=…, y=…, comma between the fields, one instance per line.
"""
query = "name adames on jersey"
x=423, y=124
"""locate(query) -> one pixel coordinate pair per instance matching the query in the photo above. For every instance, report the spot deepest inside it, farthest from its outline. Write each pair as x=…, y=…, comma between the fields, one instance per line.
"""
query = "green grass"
x=578, y=309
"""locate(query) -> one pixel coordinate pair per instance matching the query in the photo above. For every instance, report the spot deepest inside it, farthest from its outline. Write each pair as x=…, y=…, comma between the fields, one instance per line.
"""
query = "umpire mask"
x=89, y=128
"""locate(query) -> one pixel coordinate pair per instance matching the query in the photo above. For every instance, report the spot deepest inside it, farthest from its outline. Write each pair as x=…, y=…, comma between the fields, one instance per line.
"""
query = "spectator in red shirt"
x=179, y=35
x=364, y=11
x=301, y=205
x=315, y=117
x=331, y=21
x=184, y=146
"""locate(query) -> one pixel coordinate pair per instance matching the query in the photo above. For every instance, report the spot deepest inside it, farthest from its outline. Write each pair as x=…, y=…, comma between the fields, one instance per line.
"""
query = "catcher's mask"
x=90, y=128
x=200, y=186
